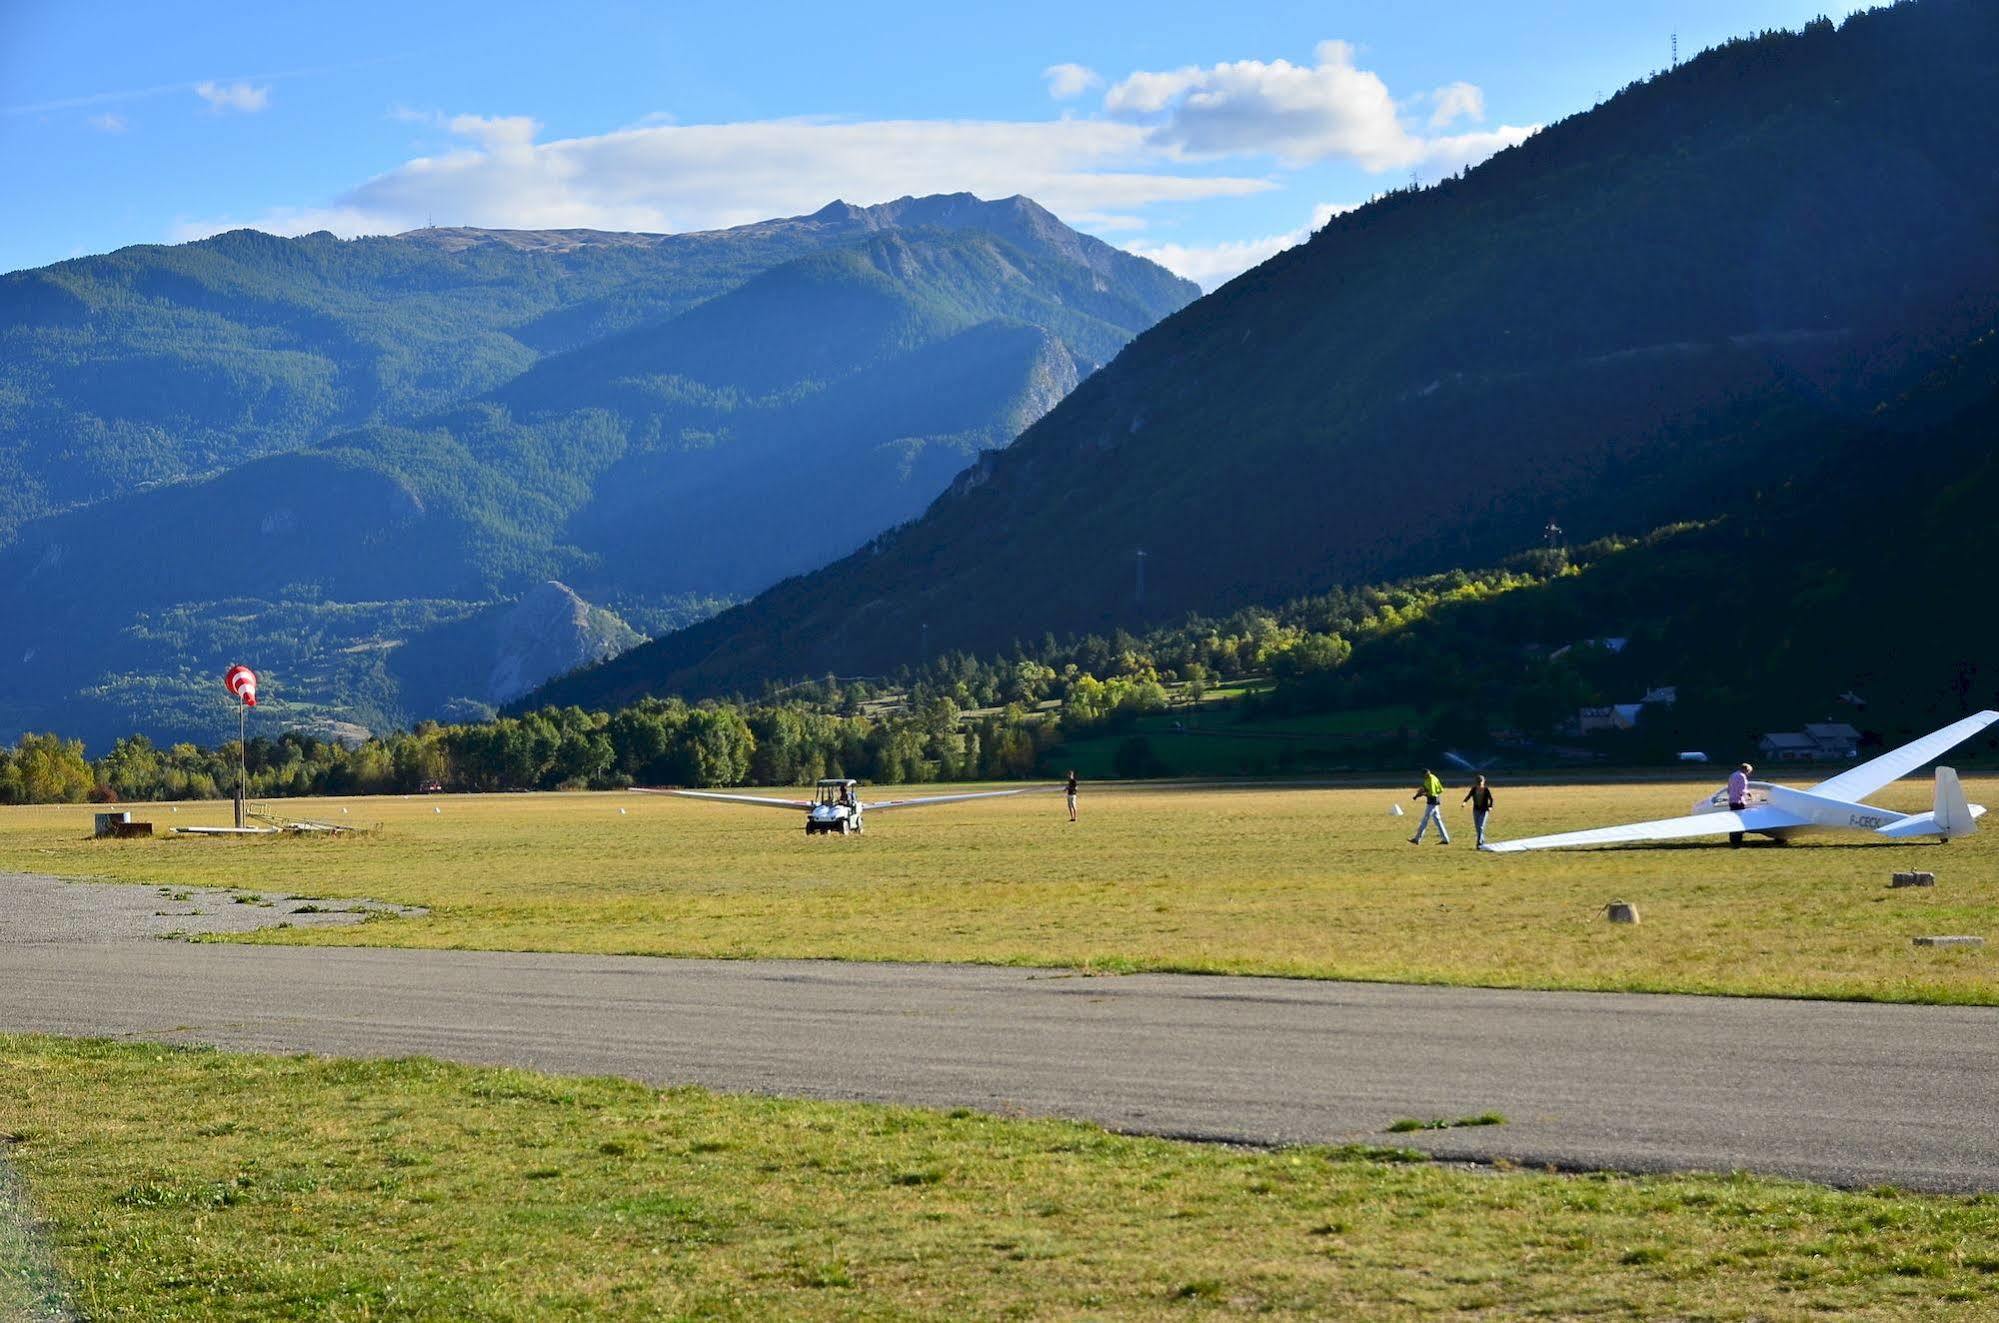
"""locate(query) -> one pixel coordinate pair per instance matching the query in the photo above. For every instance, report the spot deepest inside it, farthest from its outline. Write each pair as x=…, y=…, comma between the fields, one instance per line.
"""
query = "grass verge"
x=1409, y=1123
x=191, y=1184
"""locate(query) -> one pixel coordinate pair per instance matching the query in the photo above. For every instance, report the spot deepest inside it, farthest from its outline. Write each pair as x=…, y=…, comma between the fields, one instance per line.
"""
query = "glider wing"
x=756, y=801
x=1857, y=783
x=1761, y=818
x=876, y=805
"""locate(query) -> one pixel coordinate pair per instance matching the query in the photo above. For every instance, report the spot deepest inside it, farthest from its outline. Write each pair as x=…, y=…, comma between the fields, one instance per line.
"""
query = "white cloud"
x=245, y=97
x=1151, y=147
x=704, y=176
x=1299, y=114
x=1216, y=264
x=108, y=122
x=1454, y=102
x=1068, y=81
x=1104, y=222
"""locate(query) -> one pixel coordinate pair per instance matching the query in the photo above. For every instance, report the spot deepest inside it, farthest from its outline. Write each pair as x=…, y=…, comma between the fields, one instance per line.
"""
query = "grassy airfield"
x=193, y=1184
x=1316, y=883
x=183, y=1184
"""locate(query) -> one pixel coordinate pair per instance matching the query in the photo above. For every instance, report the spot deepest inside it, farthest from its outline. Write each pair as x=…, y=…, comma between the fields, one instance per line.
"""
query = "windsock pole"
x=241, y=681
x=242, y=759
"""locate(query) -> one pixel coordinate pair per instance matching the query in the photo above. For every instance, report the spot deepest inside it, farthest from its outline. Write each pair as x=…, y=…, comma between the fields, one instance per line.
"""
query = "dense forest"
x=957, y=717
x=1760, y=620
x=1479, y=643
x=1713, y=280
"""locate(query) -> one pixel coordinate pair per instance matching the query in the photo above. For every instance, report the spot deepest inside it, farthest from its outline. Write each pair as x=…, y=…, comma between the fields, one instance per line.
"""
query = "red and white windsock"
x=242, y=682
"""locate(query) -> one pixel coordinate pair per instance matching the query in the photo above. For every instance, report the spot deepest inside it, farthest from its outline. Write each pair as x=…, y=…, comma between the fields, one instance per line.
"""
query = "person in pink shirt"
x=1738, y=796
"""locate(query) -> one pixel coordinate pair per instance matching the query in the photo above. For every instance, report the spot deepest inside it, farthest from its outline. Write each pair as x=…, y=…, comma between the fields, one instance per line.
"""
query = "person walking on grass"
x=1738, y=798
x=1431, y=791
x=1480, y=799
x=1069, y=789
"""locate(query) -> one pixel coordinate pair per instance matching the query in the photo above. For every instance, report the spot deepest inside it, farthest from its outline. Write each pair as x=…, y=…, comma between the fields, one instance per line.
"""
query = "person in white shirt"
x=1738, y=796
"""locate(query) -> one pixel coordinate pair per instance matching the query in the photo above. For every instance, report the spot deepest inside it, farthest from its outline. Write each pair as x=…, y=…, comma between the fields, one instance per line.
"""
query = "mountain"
x=1629, y=320
x=1816, y=590
x=156, y=363
x=657, y=422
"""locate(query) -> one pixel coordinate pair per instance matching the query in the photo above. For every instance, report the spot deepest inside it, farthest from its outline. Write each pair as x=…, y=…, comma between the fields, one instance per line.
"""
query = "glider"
x=1782, y=812
x=836, y=805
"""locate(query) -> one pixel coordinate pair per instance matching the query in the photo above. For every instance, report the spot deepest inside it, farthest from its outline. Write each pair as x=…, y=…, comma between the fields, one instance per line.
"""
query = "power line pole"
x=1141, y=576
x=1676, y=50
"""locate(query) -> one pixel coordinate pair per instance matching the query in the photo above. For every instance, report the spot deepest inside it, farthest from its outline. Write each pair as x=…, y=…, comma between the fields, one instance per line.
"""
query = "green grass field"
x=1318, y=883
x=194, y=1184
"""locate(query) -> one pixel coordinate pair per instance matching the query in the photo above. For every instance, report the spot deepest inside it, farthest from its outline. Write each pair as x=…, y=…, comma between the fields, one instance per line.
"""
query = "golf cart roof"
x=837, y=781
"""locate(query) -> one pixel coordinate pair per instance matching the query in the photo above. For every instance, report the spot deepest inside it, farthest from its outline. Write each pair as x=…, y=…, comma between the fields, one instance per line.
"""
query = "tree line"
x=957, y=717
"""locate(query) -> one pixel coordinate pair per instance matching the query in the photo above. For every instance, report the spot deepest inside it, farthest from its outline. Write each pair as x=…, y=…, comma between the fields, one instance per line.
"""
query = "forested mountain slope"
x=154, y=363
x=775, y=418
x=1860, y=578
x=1630, y=319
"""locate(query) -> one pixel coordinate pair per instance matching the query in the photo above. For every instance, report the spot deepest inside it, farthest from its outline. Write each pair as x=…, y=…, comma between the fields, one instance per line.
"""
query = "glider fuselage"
x=1822, y=813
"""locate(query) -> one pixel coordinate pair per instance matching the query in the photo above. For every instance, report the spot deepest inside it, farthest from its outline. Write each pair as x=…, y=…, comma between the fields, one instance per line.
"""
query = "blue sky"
x=1204, y=134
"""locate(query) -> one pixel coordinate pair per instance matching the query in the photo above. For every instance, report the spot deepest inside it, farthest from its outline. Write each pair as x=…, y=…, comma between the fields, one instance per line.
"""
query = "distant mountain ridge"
x=1634, y=317
x=655, y=421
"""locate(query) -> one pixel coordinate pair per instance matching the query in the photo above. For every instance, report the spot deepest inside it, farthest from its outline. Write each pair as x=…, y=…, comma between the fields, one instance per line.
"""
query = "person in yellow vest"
x=1431, y=791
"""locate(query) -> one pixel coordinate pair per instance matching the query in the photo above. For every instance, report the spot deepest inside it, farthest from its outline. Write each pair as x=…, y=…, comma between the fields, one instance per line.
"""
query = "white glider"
x=836, y=805
x=1783, y=812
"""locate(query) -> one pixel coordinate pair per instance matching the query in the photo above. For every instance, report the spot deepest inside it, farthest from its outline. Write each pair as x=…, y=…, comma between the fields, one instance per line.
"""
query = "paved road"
x=1846, y=1094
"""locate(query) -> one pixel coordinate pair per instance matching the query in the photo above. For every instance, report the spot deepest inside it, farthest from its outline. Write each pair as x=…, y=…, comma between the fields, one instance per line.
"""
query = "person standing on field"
x=1431, y=791
x=1738, y=798
x=1480, y=799
x=1069, y=789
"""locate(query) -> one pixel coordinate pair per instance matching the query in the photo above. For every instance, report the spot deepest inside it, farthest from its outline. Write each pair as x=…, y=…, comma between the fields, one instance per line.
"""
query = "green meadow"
x=176, y=1184
x=1318, y=883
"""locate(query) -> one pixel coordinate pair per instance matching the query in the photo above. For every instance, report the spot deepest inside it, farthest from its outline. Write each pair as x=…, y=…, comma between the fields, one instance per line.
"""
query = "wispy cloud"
x=702, y=176
x=246, y=97
x=1066, y=82
x=95, y=99
x=1454, y=102
x=1159, y=139
x=258, y=83
x=108, y=122
x=1213, y=265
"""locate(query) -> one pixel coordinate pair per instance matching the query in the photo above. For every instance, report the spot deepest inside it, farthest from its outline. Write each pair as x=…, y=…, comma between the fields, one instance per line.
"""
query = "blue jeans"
x=1434, y=813
x=1478, y=822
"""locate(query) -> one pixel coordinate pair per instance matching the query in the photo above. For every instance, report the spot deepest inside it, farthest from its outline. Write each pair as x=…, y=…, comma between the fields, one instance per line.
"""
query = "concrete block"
x=1950, y=941
x=1913, y=880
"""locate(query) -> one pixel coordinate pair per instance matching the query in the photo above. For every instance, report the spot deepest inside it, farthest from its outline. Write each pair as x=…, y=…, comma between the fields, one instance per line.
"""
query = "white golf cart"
x=836, y=806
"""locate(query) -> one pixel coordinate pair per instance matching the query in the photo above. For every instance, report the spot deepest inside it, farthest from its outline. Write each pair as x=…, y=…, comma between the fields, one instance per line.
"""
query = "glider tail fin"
x=1953, y=812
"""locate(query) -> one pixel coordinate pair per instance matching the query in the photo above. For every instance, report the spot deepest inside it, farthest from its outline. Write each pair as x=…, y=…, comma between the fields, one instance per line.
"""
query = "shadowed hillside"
x=1630, y=319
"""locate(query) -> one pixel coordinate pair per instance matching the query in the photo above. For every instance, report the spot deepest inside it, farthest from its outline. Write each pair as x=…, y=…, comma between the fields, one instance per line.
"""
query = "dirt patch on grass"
x=41, y=909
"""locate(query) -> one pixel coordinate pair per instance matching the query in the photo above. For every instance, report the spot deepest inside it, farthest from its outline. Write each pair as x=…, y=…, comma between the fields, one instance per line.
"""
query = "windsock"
x=242, y=682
